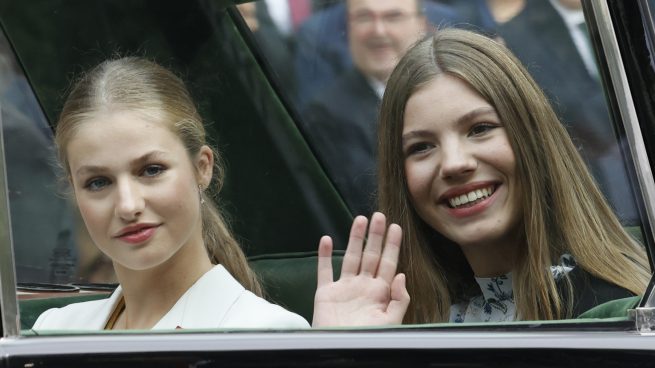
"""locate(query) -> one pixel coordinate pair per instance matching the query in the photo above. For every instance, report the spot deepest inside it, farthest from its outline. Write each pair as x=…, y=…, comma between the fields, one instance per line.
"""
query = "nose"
x=129, y=202
x=379, y=26
x=456, y=161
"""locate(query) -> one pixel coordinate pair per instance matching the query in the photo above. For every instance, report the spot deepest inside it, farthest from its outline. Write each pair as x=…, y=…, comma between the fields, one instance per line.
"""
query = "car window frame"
x=8, y=300
x=615, y=80
x=9, y=321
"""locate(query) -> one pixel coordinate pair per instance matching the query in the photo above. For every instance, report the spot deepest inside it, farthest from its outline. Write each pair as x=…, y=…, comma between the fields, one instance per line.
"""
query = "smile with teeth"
x=471, y=198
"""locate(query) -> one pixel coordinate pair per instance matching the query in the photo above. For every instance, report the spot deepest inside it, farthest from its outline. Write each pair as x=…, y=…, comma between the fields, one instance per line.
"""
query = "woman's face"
x=460, y=166
x=137, y=189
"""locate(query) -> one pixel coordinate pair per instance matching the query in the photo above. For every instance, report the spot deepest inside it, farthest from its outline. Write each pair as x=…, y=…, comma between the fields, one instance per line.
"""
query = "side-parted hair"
x=563, y=210
x=146, y=88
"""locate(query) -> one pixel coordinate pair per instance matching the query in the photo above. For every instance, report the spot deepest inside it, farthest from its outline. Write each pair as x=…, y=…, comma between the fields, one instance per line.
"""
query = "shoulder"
x=589, y=290
x=217, y=300
x=346, y=86
x=247, y=310
x=251, y=311
x=348, y=98
x=91, y=315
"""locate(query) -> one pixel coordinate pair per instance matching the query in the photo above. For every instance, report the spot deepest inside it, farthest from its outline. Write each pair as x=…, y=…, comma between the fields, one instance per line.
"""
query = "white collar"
x=378, y=87
x=572, y=17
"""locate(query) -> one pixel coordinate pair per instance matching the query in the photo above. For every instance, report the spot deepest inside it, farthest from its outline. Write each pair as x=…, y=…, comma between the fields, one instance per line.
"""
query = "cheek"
x=356, y=39
x=418, y=180
x=180, y=196
x=94, y=214
x=505, y=159
x=406, y=37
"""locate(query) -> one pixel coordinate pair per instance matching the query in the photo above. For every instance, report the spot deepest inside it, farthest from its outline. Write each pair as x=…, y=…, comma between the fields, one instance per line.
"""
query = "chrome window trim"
x=8, y=298
x=250, y=342
x=600, y=12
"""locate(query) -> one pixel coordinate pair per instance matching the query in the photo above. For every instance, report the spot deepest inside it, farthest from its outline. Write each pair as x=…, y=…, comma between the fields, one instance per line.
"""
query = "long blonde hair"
x=139, y=85
x=562, y=208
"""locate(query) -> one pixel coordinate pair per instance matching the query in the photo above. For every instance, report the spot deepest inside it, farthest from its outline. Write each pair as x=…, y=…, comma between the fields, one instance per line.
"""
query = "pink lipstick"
x=137, y=234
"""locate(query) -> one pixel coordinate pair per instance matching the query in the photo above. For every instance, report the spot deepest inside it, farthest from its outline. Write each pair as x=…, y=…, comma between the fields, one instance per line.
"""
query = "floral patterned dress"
x=496, y=301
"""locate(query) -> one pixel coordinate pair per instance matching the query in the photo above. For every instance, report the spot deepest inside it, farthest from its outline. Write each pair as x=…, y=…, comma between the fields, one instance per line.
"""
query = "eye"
x=153, y=170
x=362, y=18
x=418, y=148
x=96, y=184
x=481, y=129
x=395, y=17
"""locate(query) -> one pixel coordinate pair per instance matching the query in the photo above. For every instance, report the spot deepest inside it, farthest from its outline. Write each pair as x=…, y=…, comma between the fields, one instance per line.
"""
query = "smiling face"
x=379, y=33
x=137, y=189
x=460, y=169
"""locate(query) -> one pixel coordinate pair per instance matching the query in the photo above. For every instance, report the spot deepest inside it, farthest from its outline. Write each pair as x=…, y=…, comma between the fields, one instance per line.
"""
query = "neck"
x=150, y=294
x=492, y=258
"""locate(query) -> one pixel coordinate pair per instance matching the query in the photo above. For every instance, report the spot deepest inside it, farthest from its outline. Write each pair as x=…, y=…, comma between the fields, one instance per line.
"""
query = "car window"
x=275, y=87
x=318, y=60
x=276, y=197
x=43, y=221
x=313, y=64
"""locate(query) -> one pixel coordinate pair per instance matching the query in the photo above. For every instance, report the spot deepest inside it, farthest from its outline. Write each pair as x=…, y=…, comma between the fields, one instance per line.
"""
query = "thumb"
x=399, y=300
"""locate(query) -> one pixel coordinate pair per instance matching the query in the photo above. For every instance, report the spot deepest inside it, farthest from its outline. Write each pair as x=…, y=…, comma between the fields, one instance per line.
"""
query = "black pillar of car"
x=8, y=301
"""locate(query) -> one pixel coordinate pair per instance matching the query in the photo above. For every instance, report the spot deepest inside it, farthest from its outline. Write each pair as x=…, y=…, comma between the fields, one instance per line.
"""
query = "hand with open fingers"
x=369, y=292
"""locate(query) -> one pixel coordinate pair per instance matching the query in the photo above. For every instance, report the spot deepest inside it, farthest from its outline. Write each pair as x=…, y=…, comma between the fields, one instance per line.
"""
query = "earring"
x=202, y=199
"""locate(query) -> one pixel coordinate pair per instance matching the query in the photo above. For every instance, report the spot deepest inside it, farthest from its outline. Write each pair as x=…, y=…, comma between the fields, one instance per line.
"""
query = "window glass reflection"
x=344, y=51
x=42, y=220
x=340, y=67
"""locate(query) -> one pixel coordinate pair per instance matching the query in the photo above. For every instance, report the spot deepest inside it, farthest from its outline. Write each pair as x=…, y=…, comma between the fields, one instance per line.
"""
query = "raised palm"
x=369, y=292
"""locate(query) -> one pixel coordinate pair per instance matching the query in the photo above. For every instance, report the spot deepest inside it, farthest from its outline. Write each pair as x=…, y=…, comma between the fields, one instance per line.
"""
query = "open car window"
x=311, y=62
x=325, y=75
x=269, y=93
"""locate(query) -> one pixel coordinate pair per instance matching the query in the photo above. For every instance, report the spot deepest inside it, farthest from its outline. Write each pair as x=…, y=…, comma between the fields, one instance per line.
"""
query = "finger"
x=399, y=300
x=324, y=268
x=371, y=255
x=353, y=256
x=389, y=260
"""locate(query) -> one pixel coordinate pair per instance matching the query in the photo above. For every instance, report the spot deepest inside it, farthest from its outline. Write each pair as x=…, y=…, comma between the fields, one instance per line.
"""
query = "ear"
x=204, y=163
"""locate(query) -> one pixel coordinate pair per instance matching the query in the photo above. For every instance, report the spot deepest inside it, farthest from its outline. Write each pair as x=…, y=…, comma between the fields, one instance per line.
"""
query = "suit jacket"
x=216, y=300
x=341, y=127
x=539, y=37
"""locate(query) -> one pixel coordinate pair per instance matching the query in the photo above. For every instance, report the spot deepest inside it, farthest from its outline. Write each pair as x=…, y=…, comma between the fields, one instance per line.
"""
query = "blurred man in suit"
x=340, y=122
x=551, y=39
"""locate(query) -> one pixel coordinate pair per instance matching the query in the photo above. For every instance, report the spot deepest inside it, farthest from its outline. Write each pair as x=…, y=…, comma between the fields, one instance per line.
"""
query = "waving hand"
x=369, y=292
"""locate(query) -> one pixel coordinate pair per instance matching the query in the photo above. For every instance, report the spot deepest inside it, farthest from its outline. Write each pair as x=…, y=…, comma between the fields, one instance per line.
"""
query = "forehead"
x=444, y=98
x=114, y=138
x=382, y=5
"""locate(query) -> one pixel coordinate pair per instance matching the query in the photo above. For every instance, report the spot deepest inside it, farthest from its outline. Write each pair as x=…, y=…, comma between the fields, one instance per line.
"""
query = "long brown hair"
x=139, y=85
x=562, y=208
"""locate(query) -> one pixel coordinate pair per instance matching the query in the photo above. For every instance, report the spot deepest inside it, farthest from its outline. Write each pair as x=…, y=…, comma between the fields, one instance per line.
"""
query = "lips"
x=136, y=234
x=381, y=44
x=472, y=197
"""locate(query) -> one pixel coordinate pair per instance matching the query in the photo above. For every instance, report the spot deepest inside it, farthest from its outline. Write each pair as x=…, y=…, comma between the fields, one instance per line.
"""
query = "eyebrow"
x=466, y=117
x=475, y=113
x=93, y=169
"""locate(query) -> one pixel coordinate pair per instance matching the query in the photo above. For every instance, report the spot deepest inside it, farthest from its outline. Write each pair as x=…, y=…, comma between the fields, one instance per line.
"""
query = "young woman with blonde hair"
x=133, y=146
x=501, y=219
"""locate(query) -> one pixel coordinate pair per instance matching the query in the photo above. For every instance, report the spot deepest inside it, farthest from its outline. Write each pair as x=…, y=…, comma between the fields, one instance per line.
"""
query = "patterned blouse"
x=496, y=302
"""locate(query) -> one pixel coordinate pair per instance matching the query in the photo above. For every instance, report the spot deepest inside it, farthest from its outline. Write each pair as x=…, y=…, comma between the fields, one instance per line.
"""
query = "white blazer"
x=216, y=300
